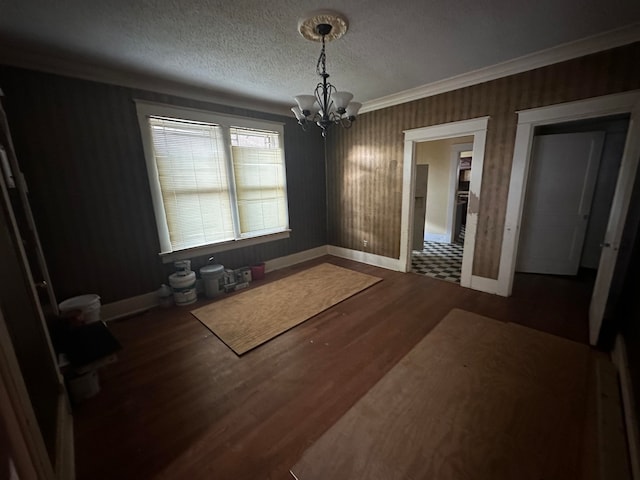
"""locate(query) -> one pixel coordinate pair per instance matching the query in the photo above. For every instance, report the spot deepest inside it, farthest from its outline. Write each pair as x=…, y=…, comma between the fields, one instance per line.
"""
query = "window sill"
x=221, y=247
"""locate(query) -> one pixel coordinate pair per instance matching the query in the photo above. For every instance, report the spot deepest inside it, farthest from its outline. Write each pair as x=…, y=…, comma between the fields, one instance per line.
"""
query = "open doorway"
x=573, y=170
x=441, y=196
x=475, y=128
x=627, y=103
x=572, y=179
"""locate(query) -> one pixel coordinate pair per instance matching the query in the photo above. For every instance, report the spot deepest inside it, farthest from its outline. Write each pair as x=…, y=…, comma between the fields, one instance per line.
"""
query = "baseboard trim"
x=613, y=452
x=619, y=358
x=294, y=258
x=436, y=237
x=129, y=306
x=65, y=451
x=483, y=284
x=141, y=303
x=368, y=258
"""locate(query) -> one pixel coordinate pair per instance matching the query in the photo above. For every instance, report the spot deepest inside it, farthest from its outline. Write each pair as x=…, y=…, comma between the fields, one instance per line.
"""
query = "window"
x=215, y=180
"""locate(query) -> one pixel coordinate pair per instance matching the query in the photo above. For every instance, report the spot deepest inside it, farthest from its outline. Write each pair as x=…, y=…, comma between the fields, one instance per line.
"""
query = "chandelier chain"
x=321, y=66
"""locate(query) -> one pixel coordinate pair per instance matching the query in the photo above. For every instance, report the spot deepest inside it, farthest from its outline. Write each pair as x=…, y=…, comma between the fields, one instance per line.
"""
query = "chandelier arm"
x=335, y=117
x=323, y=93
x=345, y=122
x=318, y=92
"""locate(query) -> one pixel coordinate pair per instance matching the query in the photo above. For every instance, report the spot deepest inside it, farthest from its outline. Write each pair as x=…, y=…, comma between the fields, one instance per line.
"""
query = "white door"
x=615, y=226
x=562, y=177
x=420, y=206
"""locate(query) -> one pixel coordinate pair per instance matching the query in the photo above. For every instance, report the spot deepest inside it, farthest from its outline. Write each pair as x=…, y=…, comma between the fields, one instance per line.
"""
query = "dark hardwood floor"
x=179, y=404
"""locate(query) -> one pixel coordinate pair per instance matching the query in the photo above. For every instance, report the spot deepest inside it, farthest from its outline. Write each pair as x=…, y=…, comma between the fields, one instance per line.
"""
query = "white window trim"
x=146, y=109
x=212, y=248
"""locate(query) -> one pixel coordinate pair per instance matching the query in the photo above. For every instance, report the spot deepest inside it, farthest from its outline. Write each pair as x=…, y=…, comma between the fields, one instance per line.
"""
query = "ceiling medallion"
x=308, y=27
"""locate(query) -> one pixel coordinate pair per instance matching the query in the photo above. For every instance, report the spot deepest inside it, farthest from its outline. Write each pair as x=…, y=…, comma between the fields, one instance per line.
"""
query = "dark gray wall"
x=78, y=143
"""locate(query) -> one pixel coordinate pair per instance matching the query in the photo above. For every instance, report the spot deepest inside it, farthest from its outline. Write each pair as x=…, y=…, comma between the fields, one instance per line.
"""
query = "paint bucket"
x=213, y=278
x=183, y=285
x=88, y=307
x=257, y=271
x=83, y=386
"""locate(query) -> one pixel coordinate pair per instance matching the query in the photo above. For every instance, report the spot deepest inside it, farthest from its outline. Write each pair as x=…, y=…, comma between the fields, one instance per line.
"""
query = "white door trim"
x=454, y=171
x=476, y=127
x=628, y=102
x=16, y=412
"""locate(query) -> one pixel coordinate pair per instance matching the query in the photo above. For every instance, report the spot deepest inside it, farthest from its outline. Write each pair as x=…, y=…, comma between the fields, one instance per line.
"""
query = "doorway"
x=528, y=121
x=571, y=184
x=443, y=173
x=475, y=128
x=572, y=181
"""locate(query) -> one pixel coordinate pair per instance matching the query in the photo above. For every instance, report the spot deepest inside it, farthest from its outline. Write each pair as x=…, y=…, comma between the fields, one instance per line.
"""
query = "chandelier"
x=326, y=106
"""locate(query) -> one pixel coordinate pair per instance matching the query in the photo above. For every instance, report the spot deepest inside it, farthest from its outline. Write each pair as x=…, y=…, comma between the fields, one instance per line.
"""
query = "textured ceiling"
x=252, y=48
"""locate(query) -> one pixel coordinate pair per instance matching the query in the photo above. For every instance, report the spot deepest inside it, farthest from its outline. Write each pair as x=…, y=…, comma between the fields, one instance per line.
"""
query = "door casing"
x=622, y=103
x=478, y=128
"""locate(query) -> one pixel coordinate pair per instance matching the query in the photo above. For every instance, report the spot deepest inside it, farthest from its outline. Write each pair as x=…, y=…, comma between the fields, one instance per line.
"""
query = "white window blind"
x=260, y=181
x=194, y=181
x=214, y=179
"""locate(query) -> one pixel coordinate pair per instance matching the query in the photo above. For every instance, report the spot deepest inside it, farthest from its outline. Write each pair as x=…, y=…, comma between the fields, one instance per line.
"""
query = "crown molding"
x=36, y=59
x=560, y=53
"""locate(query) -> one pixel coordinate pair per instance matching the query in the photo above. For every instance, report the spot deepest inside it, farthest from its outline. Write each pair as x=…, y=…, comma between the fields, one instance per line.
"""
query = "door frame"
x=454, y=173
x=622, y=103
x=16, y=408
x=424, y=217
x=27, y=448
x=476, y=127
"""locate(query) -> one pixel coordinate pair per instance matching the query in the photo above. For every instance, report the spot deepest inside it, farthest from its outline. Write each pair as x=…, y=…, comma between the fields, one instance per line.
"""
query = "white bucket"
x=84, y=386
x=183, y=285
x=213, y=278
x=89, y=305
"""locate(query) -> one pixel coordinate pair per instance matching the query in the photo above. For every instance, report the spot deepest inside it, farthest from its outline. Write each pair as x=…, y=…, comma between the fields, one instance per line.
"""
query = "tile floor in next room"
x=439, y=260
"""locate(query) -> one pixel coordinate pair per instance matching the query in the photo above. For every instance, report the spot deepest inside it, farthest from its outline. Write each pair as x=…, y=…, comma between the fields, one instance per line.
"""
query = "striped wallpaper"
x=364, y=171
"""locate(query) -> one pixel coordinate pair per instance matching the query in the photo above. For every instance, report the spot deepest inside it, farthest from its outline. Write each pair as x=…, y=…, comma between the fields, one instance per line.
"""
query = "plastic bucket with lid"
x=88, y=305
x=183, y=285
x=257, y=271
x=84, y=386
x=213, y=278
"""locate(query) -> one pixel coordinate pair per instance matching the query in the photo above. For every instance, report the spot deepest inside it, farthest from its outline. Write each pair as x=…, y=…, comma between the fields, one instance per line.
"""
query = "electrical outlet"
x=365, y=243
